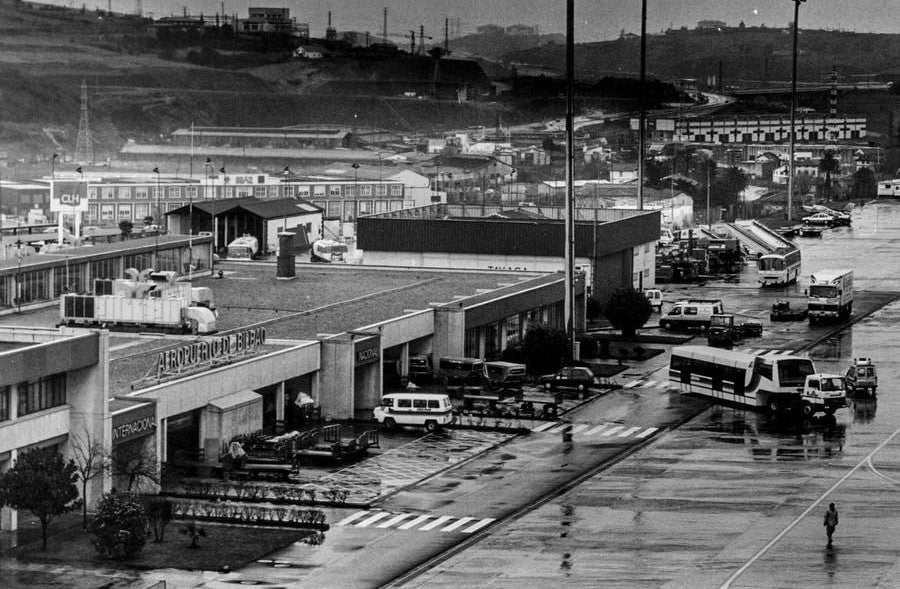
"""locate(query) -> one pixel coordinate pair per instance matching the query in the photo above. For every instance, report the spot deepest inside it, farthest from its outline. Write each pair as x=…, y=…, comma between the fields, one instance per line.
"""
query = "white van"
x=691, y=314
x=654, y=297
x=433, y=411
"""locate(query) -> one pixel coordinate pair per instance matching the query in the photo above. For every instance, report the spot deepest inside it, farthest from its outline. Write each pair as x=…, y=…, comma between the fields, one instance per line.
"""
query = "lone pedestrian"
x=831, y=521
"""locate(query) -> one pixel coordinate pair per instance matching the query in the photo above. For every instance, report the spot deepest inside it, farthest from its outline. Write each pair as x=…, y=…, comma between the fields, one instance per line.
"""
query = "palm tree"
x=829, y=165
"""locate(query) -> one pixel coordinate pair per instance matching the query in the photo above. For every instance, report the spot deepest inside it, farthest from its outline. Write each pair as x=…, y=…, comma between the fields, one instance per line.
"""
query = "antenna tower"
x=84, y=149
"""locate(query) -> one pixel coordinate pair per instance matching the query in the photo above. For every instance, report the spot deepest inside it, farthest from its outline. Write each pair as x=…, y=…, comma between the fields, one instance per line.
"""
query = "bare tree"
x=137, y=464
x=91, y=461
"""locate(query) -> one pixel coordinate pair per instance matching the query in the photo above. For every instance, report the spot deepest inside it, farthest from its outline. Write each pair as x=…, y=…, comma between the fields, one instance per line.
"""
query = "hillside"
x=753, y=53
x=46, y=52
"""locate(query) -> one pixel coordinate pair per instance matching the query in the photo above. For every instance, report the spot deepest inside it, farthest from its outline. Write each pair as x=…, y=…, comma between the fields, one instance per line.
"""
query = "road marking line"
x=558, y=429
x=439, y=521
x=813, y=505
x=414, y=522
x=631, y=384
x=628, y=432
x=646, y=432
x=580, y=427
x=594, y=430
x=613, y=430
x=650, y=383
x=371, y=520
x=544, y=426
x=458, y=524
x=478, y=526
x=394, y=520
x=353, y=517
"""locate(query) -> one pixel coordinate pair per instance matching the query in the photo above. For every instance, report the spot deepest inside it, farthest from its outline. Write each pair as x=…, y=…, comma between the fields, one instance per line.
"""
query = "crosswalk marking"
x=613, y=430
x=458, y=524
x=394, y=520
x=423, y=523
x=628, y=432
x=439, y=521
x=414, y=523
x=595, y=430
x=478, y=526
x=352, y=518
x=559, y=429
x=646, y=432
x=371, y=520
x=580, y=427
x=544, y=426
x=632, y=384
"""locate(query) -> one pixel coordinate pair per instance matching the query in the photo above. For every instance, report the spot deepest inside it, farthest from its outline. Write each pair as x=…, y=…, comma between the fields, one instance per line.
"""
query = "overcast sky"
x=595, y=19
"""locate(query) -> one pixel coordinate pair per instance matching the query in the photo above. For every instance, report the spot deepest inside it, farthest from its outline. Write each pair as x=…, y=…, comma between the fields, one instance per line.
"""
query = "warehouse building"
x=613, y=247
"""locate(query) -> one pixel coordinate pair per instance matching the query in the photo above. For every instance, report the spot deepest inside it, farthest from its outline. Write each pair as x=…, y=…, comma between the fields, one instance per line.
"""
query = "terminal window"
x=43, y=393
x=4, y=403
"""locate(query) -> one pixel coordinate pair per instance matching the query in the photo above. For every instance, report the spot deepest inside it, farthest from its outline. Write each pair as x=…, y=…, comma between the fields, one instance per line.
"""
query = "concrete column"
x=279, y=402
x=336, y=381
x=162, y=448
x=404, y=359
x=449, y=333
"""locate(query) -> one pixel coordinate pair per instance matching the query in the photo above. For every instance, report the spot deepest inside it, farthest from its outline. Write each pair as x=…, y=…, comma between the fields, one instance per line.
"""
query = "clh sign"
x=67, y=196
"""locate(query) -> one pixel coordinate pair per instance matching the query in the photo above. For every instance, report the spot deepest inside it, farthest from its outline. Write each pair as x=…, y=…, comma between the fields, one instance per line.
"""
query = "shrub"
x=119, y=526
x=627, y=309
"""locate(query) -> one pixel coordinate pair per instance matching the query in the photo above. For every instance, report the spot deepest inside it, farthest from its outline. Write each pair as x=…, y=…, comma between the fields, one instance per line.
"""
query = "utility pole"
x=790, y=197
x=569, y=314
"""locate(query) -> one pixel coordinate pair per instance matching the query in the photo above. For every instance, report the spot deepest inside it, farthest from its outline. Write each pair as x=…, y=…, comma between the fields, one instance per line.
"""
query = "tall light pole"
x=793, y=112
x=569, y=314
x=156, y=215
x=355, y=167
x=642, y=106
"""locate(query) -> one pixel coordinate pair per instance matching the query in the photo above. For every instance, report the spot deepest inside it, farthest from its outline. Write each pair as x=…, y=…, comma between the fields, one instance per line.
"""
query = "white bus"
x=767, y=381
x=779, y=268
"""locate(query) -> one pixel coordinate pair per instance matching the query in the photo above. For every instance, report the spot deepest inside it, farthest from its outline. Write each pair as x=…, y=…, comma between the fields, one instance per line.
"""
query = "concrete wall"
x=219, y=424
x=336, y=391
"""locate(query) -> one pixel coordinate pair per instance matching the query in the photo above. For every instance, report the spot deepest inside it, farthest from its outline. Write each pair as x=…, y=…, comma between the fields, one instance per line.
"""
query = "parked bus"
x=759, y=381
x=779, y=268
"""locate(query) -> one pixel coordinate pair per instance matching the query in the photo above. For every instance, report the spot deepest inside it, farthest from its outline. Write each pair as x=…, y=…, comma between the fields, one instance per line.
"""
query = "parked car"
x=579, y=378
x=821, y=219
x=861, y=376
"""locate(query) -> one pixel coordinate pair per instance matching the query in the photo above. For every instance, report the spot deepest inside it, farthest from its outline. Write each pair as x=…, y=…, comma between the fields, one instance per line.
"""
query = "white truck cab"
x=823, y=393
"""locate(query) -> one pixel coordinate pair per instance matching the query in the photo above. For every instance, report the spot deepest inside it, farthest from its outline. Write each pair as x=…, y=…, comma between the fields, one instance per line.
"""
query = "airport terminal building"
x=163, y=398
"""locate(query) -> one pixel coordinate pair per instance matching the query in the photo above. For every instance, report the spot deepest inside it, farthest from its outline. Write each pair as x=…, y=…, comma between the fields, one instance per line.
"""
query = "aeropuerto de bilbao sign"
x=134, y=424
x=195, y=354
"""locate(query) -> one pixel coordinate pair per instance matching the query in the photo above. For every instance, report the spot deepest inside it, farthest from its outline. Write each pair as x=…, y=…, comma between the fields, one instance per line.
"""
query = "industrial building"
x=614, y=247
x=746, y=129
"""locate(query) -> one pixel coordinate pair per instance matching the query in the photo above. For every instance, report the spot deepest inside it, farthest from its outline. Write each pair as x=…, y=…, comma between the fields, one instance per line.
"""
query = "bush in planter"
x=119, y=526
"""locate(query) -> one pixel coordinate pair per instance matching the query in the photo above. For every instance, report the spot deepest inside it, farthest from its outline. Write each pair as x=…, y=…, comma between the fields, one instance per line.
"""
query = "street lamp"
x=793, y=114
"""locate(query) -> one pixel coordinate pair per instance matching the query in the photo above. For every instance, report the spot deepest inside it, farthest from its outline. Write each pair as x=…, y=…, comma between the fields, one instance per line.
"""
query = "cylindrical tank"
x=286, y=267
